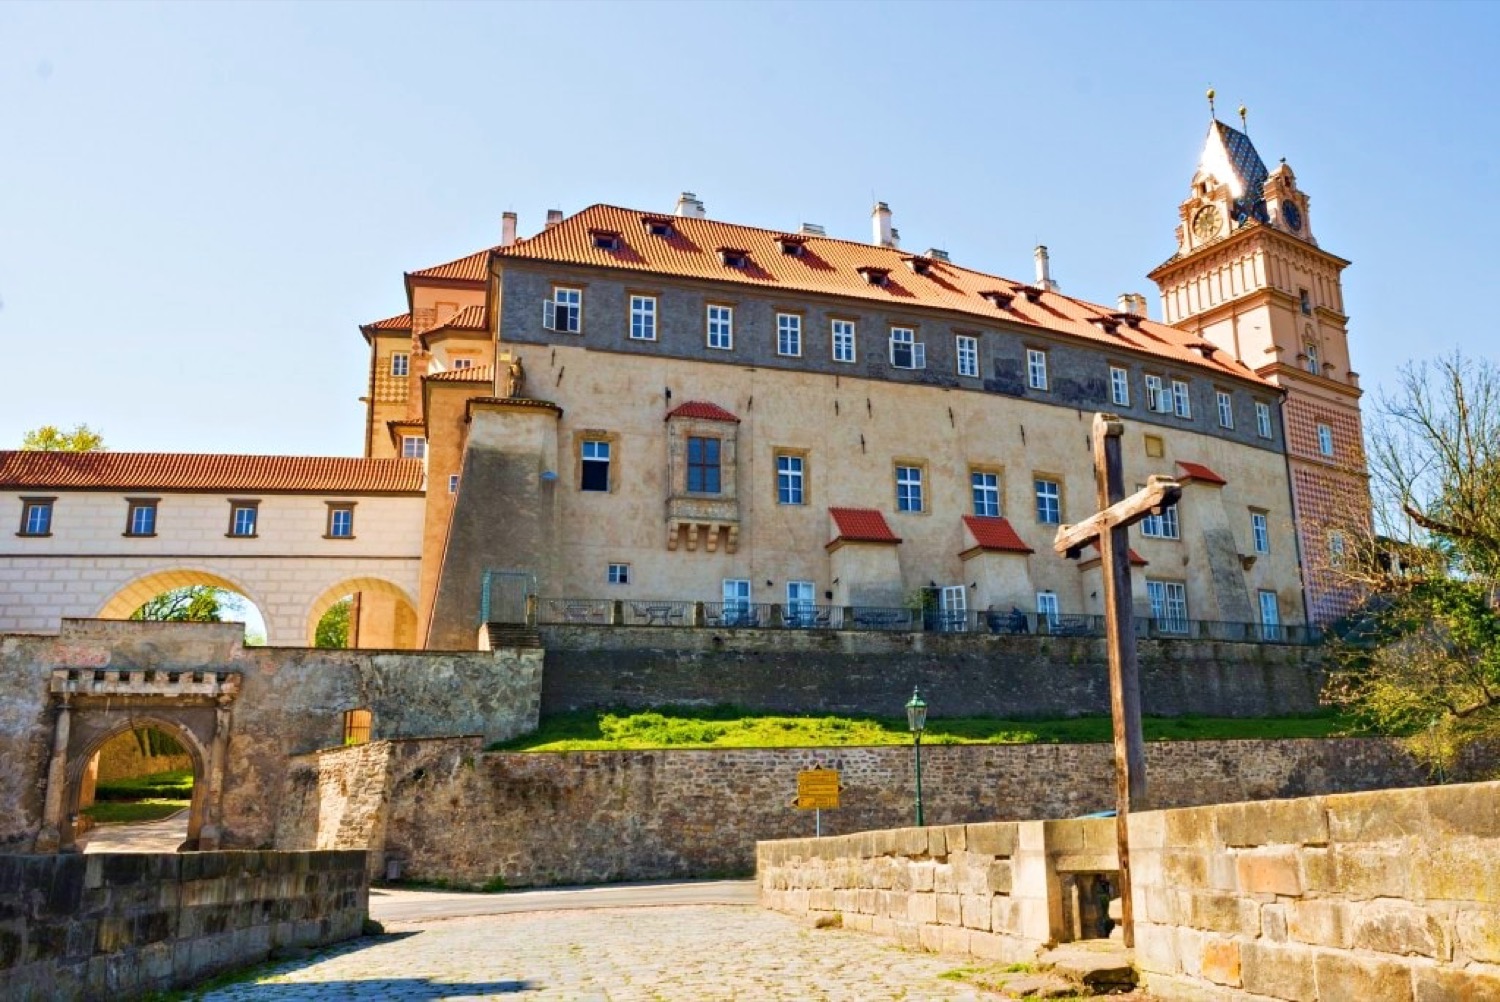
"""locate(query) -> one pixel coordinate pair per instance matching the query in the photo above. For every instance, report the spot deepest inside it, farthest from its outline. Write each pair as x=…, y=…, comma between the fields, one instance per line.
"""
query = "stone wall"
x=591, y=667
x=451, y=811
x=119, y=926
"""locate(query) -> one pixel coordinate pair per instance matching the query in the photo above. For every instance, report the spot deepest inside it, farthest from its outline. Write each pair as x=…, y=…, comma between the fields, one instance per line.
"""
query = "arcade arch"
x=143, y=589
x=383, y=617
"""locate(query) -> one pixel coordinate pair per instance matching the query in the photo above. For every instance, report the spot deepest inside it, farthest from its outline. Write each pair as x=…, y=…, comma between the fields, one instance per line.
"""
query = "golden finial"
x=1211, y=103
x=1244, y=122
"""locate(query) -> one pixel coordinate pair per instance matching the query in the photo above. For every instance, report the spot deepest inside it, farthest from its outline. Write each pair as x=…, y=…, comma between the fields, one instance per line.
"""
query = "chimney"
x=507, y=229
x=813, y=230
x=554, y=216
x=895, y=237
x=689, y=207
x=1133, y=303
x=880, y=226
x=1044, y=269
x=1140, y=304
x=937, y=254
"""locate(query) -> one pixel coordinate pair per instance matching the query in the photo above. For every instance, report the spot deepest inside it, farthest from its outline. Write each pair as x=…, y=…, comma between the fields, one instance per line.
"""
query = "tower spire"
x=1244, y=121
x=1211, y=104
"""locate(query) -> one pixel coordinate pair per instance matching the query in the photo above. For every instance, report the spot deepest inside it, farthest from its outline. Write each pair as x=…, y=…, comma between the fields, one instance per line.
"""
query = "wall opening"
x=357, y=726
x=188, y=596
x=143, y=775
x=378, y=614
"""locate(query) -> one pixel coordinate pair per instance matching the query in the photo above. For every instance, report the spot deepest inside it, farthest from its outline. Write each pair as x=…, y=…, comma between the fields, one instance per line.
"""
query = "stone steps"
x=512, y=635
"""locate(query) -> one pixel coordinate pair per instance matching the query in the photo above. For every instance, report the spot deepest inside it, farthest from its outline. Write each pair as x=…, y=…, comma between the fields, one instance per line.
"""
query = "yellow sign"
x=817, y=789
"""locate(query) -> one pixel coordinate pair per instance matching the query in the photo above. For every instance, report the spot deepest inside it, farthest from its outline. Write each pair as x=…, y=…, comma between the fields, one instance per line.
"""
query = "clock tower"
x=1249, y=277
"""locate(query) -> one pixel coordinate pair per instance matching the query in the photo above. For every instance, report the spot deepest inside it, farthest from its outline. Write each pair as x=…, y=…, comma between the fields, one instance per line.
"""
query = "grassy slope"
x=174, y=785
x=121, y=811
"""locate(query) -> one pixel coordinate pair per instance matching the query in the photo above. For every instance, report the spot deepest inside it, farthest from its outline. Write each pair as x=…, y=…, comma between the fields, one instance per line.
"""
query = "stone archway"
x=94, y=705
x=385, y=617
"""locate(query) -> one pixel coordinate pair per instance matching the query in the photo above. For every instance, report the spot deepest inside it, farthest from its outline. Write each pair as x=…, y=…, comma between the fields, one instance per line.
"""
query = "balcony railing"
x=797, y=616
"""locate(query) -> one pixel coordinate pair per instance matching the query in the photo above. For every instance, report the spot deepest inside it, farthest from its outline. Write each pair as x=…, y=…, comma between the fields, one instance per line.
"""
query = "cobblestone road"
x=675, y=954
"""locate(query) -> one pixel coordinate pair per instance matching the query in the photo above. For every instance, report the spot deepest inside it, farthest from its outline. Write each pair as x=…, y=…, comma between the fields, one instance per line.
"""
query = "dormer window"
x=1032, y=293
x=608, y=240
x=791, y=244
x=875, y=276
x=919, y=265
x=734, y=257
x=1205, y=348
x=658, y=226
x=1001, y=300
x=1108, y=324
x=1131, y=320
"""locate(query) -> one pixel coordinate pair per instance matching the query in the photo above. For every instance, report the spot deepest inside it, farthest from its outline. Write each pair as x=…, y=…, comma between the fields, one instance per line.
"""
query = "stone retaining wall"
x=604, y=667
x=119, y=926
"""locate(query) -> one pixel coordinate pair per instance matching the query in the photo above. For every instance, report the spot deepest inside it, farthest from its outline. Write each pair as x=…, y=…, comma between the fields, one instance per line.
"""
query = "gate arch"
x=78, y=763
x=140, y=590
x=394, y=602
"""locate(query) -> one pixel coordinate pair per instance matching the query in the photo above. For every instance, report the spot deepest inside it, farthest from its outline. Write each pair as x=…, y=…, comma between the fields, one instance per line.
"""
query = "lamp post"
x=916, y=719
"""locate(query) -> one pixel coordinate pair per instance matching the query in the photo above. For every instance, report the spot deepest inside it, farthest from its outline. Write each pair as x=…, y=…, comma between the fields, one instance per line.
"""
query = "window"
x=1119, y=386
x=908, y=488
x=1163, y=526
x=1305, y=301
x=906, y=351
x=453, y=483
x=986, y=489
x=721, y=327
x=1182, y=405
x=357, y=726
x=703, y=465
x=736, y=610
x=1048, y=501
x=843, y=340
x=1226, y=409
x=1157, y=397
x=564, y=311
x=1156, y=448
x=1168, y=605
x=801, y=604
x=1262, y=419
x=413, y=447
x=1310, y=351
x=1336, y=549
x=789, y=479
x=968, y=355
x=36, y=516
x=243, y=518
x=643, y=318
x=462, y=363
x=788, y=334
x=1325, y=440
x=1036, y=369
x=140, y=517
x=953, y=602
x=341, y=521
x=595, y=455
x=1260, y=532
x=1046, y=609
x=1270, y=616
x=400, y=363
x=618, y=574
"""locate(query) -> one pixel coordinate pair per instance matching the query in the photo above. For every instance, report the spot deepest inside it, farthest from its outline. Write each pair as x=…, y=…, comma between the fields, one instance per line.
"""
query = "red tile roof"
x=833, y=267
x=995, y=534
x=401, y=323
x=703, y=410
x=470, y=318
x=473, y=374
x=861, y=525
x=1136, y=560
x=1200, y=474
x=212, y=472
x=474, y=268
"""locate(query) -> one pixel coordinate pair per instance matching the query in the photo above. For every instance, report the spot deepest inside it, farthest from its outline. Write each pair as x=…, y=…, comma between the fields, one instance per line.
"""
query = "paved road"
x=141, y=836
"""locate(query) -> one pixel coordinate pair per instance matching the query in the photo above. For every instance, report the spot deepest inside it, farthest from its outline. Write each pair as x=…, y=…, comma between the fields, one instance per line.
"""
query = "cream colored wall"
x=854, y=430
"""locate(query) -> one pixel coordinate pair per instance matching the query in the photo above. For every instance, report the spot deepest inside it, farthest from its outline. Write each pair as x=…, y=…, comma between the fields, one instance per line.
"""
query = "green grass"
x=121, y=811
x=176, y=784
x=729, y=727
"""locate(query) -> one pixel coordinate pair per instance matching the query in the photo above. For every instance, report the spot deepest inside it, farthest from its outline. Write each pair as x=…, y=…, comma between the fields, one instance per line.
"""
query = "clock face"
x=1291, y=216
x=1206, y=223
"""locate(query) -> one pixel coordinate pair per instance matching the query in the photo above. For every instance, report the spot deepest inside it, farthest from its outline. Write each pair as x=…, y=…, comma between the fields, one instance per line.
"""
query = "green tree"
x=193, y=604
x=1423, y=659
x=333, y=628
x=49, y=438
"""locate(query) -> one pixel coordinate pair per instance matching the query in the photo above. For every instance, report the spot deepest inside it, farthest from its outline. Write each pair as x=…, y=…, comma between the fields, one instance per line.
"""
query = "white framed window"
x=1036, y=369
x=1270, y=616
x=1119, y=386
x=618, y=574
x=1182, y=404
x=595, y=474
x=564, y=311
x=413, y=447
x=788, y=334
x=453, y=483
x=1313, y=362
x=986, y=491
x=400, y=363
x=906, y=351
x=1158, y=400
x=462, y=363
x=1260, y=532
x=36, y=516
x=843, y=340
x=643, y=318
x=1226, y=409
x=243, y=517
x=1163, y=526
x=968, y=355
x=789, y=479
x=1262, y=419
x=1168, y=605
x=721, y=327
x=953, y=602
x=140, y=518
x=1048, y=501
x=1325, y=440
x=1046, y=609
x=908, y=488
x=736, y=595
x=801, y=603
x=340, y=521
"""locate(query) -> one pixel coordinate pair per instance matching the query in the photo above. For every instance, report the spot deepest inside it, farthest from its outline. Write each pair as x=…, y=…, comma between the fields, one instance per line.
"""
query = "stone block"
x=955, y=837
x=1003, y=915
x=976, y=911
x=949, y=909
x=930, y=938
x=1273, y=922
x=1223, y=875
x=998, y=877
x=1466, y=810
x=1382, y=870
x=1189, y=944
x=921, y=908
x=1273, y=822
x=1186, y=869
x=1478, y=934
x=1192, y=828
x=1445, y=984
x=937, y=842
x=1269, y=871
x=1002, y=949
x=953, y=940
x=1377, y=815
x=1156, y=948
x=1281, y=971
x=1398, y=927
x=1462, y=870
x=1085, y=862
x=1148, y=830
x=1346, y=975
x=1220, y=961
x=995, y=839
x=923, y=875
x=943, y=879
x=1226, y=913
x=1319, y=922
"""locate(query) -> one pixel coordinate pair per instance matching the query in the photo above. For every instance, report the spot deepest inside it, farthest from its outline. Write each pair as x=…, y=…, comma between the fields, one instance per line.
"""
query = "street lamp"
x=916, y=719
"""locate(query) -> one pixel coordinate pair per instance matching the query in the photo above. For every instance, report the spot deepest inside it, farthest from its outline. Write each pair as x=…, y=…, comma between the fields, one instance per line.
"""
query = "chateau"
x=633, y=416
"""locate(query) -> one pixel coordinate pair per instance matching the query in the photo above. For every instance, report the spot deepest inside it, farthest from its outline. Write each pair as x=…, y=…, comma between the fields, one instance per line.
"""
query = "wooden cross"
x=1109, y=529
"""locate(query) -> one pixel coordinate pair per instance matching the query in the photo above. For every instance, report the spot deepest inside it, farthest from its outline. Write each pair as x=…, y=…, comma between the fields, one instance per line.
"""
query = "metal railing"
x=799, y=616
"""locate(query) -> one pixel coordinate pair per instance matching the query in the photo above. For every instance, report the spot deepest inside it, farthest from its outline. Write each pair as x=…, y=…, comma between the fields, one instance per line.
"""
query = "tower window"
x=400, y=363
x=1226, y=409
x=1262, y=419
x=1325, y=440
x=1181, y=403
x=595, y=474
x=1314, y=364
x=1305, y=301
x=1036, y=369
x=1119, y=386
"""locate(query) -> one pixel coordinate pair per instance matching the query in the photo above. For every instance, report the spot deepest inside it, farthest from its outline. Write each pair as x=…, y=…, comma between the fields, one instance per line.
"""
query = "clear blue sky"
x=199, y=203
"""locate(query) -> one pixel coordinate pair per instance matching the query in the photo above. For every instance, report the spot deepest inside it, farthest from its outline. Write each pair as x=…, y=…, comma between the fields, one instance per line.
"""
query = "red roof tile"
x=215, y=472
x=474, y=268
x=473, y=374
x=703, y=410
x=1198, y=473
x=861, y=525
x=401, y=323
x=470, y=318
x=995, y=534
x=833, y=267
